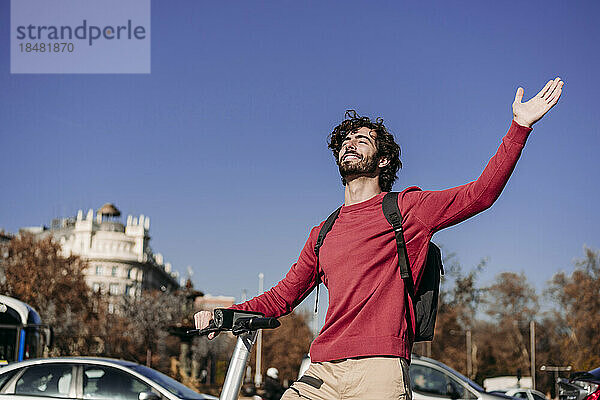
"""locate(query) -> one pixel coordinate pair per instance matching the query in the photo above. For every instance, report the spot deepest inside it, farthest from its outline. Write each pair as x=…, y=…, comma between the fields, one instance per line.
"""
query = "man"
x=273, y=388
x=364, y=347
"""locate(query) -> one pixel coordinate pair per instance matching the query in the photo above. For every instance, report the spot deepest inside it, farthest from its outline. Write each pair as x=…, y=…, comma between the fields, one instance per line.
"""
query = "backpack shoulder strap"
x=325, y=230
x=394, y=217
x=322, y=233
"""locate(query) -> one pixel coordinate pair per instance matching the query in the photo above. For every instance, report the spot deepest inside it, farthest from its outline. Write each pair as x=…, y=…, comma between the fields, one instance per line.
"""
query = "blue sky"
x=223, y=145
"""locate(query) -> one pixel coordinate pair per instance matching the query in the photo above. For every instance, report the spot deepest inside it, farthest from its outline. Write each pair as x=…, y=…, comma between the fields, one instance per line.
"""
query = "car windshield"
x=168, y=383
x=464, y=378
x=595, y=373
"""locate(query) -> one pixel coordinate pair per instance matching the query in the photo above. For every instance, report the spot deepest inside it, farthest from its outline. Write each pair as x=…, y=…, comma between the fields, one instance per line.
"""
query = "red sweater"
x=358, y=262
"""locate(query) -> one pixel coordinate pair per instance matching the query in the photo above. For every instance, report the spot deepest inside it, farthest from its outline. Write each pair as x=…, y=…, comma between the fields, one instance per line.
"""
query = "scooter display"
x=244, y=325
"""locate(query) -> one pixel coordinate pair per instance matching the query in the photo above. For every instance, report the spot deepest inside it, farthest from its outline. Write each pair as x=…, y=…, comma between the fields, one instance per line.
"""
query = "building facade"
x=209, y=302
x=120, y=259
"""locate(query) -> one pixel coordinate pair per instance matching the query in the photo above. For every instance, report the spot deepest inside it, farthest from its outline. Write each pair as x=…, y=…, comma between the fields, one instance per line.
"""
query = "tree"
x=35, y=271
x=578, y=298
x=284, y=347
x=512, y=303
x=457, y=308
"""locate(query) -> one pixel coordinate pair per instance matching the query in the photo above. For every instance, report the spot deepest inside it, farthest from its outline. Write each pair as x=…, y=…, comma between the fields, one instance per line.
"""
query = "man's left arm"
x=443, y=208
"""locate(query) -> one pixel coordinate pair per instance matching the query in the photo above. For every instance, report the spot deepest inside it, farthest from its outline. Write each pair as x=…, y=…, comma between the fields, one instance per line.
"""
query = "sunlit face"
x=358, y=154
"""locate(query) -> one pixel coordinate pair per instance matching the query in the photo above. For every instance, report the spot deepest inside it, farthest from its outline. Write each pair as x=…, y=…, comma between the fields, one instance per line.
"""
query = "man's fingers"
x=551, y=90
x=545, y=88
x=557, y=89
x=519, y=95
x=556, y=95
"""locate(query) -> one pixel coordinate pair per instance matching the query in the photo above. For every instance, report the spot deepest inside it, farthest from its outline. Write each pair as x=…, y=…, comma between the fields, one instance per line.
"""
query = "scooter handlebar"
x=263, y=323
x=236, y=322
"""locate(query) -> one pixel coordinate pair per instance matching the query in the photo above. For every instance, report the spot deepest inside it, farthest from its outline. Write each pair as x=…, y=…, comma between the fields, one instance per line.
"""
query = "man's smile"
x=349, y=156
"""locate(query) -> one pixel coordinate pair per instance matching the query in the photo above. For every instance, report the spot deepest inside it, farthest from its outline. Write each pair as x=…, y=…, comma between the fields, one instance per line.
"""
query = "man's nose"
x=351, y=144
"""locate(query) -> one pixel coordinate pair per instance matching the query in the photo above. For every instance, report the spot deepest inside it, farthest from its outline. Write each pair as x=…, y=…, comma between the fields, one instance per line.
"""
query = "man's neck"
x=361, y=189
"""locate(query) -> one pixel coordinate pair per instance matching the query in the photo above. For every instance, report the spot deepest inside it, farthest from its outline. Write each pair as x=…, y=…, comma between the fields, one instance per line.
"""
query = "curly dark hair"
x=384, y=142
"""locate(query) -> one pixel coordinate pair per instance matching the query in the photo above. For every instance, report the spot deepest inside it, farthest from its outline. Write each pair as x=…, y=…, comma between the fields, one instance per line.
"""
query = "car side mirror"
x=451, y=391
x=148, y=396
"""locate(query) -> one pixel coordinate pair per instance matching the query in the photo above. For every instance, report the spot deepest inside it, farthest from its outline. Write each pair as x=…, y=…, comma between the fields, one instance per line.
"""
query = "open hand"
x=528, y=113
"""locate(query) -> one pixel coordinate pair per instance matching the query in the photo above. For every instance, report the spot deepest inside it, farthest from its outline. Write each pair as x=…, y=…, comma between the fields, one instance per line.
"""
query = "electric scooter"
x=244, y=325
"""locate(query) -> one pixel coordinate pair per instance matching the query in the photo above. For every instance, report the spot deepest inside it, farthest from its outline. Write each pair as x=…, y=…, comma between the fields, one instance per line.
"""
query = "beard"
x=366, y=166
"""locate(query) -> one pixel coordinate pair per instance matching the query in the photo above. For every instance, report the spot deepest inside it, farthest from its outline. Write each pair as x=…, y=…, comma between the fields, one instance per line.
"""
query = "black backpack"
x=425, y=298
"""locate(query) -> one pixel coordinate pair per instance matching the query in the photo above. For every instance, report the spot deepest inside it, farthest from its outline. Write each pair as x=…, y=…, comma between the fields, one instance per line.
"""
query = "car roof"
x=76, y=360
x=440, y=364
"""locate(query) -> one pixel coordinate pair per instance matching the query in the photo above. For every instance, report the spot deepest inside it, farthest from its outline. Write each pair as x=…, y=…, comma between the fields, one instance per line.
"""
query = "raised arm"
x=291, y=290
x=283, y=297
x=443, y=208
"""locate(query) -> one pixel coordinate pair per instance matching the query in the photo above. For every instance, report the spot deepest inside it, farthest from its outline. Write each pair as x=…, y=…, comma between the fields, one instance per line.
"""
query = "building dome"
x=109, y=210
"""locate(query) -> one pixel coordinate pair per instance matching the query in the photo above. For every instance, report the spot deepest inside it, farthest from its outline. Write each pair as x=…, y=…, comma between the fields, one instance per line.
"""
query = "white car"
x=433, y=380
x=89, y=378
x=523, y=393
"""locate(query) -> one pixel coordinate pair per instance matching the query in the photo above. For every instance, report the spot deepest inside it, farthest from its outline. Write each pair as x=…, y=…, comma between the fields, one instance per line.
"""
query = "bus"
x=22, y=334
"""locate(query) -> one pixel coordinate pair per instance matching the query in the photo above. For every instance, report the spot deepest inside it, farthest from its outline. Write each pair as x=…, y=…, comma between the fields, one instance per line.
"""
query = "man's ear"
x=383, y=162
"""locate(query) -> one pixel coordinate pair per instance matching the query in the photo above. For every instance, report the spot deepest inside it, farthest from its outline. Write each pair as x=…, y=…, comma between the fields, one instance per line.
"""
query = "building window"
x=96, y=287
x=98, y=269
x=114, y=270
x=111, y=308
x=129, y=291
x=129, y=273
x=113, y=289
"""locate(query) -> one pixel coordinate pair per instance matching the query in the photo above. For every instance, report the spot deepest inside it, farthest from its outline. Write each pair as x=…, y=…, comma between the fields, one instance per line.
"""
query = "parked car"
x=432, y=380
x=522, y=393
x=580, y=386
x=89, y=378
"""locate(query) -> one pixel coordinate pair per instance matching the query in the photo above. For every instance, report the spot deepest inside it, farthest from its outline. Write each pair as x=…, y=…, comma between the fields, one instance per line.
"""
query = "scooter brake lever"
x=203, y=332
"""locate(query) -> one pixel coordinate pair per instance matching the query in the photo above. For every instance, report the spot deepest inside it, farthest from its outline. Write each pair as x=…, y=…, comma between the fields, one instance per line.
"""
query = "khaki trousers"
x=376, y=378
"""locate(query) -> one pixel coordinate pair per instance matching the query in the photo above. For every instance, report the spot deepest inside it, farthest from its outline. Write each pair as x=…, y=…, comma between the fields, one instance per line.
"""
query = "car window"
x=166, y=382
x=50, y=380
x=433, y=382
x=8, y=339
x=5, y=377
x=538, y=397
x=100, y=382
x=520, y=395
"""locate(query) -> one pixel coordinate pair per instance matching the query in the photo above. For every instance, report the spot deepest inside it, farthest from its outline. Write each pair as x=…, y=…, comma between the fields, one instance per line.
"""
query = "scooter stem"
x=237, y=366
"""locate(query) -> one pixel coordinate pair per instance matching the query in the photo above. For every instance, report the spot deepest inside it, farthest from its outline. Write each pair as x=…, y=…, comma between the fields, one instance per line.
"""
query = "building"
x=120, y=259
x=209, y=302
x=4, y=239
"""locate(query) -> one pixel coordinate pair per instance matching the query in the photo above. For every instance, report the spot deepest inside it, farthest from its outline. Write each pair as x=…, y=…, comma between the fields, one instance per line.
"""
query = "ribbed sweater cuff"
x=517, y=133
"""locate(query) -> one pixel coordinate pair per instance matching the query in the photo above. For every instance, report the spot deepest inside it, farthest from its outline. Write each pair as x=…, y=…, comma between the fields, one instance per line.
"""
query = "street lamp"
x=257, y=374
x=556, y=369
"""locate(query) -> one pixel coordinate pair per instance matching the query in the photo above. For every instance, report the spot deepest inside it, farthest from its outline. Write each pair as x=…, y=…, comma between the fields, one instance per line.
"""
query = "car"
x=580, y=386
x=89, y=378
x=304, y=364
x=522, y=393
x=433, y=380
